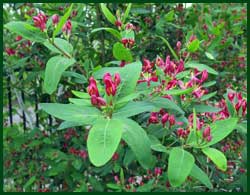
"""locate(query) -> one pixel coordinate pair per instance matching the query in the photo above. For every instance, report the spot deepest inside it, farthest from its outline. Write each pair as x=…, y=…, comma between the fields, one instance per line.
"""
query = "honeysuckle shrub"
x=136, y=111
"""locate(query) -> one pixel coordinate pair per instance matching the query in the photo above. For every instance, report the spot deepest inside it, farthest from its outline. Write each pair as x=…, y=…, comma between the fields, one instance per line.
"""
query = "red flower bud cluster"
x=183, y=133
x=241, y=103
x=128, y=42
x=110, y=84
x=70, y=133
x=40, y=21
x=165, y=117
x=81, y=153
x=207, y=134
x=67, y=27
x=92, y=89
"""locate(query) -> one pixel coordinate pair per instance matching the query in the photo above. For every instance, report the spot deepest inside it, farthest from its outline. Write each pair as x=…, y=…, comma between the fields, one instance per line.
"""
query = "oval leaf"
x=200, y=175
x=103, y=140
x=62, y=44
x=110, y=17
x=53, y=72
x=200, y=67
x=71, y=112
x=180, y=164
x=217, y=157
x=122, y=53
x=139, y=142
x=27, y=31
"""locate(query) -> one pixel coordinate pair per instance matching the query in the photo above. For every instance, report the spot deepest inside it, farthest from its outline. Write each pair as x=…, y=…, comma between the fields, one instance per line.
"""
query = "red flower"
x=40, y=21
x=164, y=119
x=67, y=27
x=115, y=157
x=171, y=120
x=19, y=38
x=231, y=96
x=110, y=85
x=55, y=19
x=92, y=88
x=118, y=23
x=153, y=118
x=10, y=51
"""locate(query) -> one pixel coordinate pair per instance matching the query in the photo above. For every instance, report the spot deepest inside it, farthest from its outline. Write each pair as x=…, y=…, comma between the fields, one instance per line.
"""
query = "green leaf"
x=29, y=182
x=178, y=91
x=169, y=46
x=200, y=67
x=77, y=164
x=156, y=145
x=209, y=56
x=27, y=31
x=166, y=103
x=217, y=157
x=122, y=53
x=68, y=124
x=169, y=16
x=139, y=142
x=209, y=84
x=126, y=13
x=62, y=21
x=128, y=98
x=242, y=127
x=100, y=73
x=78, y=78
x=103, y=140
x=114, y=32
x=220, y=129
x=180, y=164
x=201, y=108
x=208, y=96
x=200, y=175
x=128, y=34
x=81, y=94
x=113, y=186
x=54, y=70
x=83, y=102
x=133, y=108
x=193, y=46
x=62, y=44
x=183, y=74
x=128, y=80
x=110, y=17
x=71, y=112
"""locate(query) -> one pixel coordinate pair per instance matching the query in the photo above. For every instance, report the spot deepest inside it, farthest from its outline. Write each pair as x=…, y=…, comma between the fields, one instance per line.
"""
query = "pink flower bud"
x=115, y=157
x=206, y=132
x=19, y=38
x=129, y=26
x=118, y=23
x=204, y=76
x=67, y=27
x=117, y=79
x=171, y=120
x=209, y=138
x=40, y=21
x=92, y=88
x=164, y=119
x=153, y=118
x=158, y=171
x=231, y=96
x=178, y=45
x=55, y=19
x=10, y=51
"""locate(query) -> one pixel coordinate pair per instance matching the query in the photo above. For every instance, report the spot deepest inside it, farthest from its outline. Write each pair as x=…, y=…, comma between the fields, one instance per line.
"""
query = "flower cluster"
x=238, y=102
x=81, y=153
x=111, y=85
x=165, y=117
x=40, y=21
x=96, y=100
x=70, y=133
